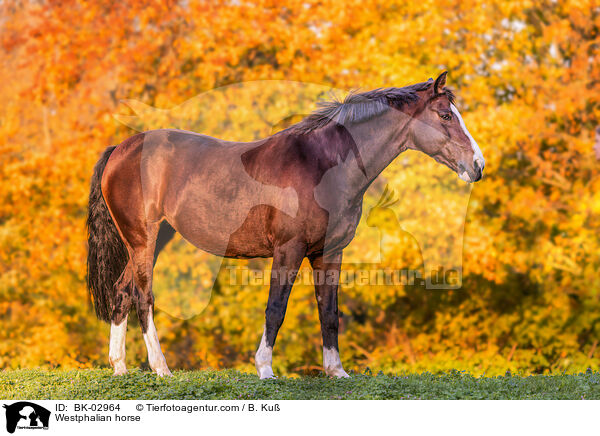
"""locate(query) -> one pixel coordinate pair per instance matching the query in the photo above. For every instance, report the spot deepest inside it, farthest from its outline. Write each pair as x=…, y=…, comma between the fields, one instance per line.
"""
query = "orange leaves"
x=527, y=78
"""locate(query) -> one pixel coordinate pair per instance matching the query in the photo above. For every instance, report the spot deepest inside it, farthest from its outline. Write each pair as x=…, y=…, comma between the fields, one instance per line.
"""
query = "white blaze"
x=478, y=155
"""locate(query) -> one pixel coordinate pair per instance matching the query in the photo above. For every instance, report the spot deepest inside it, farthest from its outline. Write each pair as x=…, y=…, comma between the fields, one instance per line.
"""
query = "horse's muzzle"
x=478, y=170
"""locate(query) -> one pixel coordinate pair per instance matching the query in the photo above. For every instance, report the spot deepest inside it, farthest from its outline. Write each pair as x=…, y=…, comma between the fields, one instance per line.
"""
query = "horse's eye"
x=446, y=116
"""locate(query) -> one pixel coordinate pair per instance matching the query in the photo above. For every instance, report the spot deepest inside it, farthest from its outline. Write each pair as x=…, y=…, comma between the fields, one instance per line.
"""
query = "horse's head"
x=439, y=131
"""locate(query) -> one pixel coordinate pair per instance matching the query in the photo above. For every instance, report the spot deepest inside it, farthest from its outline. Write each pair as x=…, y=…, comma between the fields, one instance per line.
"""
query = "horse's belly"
x=225, y=213
x=223, y=234
x=236, y=246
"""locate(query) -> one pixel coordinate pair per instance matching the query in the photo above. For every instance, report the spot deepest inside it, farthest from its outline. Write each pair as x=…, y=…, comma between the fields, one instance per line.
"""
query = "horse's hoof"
x=338, y=373
x=164, y=372
x=266, y=373
x=120, y=371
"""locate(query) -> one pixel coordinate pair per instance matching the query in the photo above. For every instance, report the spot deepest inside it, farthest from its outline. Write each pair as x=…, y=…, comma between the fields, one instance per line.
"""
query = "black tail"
x=107, y=255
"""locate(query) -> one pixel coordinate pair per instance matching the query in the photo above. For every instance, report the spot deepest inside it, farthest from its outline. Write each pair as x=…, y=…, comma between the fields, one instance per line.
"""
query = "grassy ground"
x=230, y=384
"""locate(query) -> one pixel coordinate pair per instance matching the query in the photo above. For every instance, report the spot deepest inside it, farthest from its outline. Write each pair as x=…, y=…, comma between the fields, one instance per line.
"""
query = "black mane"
x=360, y=107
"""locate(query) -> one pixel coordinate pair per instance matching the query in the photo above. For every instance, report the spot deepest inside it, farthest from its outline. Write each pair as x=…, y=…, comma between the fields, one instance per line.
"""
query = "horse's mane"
x=360, y=107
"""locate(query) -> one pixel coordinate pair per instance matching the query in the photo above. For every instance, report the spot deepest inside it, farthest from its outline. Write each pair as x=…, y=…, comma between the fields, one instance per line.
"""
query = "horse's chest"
x=339, y=228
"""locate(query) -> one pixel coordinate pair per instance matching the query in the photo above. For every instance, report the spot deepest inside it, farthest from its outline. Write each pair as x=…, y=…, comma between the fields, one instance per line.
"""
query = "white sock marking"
x=156, y=359
x=264, y=358
x=116, y=350
x=332, y=363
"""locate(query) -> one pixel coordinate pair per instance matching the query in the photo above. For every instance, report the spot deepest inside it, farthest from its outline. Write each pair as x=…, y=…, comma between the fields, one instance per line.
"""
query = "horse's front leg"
x=326, y=275
x=287, y=259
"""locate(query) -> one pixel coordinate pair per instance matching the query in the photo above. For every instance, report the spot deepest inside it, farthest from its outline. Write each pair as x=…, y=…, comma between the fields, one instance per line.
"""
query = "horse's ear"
x=440, y=82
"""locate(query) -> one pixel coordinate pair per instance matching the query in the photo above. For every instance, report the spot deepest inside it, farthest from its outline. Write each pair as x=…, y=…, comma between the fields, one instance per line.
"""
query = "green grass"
x=231, y=384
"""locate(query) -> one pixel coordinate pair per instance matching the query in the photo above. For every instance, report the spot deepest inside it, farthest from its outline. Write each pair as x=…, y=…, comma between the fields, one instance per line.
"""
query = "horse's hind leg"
x=116, y=353
x=165, y=234
x=143, y=261
x=118, y=326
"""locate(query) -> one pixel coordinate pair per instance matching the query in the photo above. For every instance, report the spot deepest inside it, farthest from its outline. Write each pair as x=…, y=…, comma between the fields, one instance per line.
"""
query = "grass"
x=231, y=384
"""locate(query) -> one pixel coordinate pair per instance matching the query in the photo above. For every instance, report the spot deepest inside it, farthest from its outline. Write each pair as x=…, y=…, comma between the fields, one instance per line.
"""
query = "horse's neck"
x=378, y=141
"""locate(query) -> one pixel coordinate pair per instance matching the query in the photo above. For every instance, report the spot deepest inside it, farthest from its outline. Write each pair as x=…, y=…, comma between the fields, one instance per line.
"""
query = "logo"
x=26, y=415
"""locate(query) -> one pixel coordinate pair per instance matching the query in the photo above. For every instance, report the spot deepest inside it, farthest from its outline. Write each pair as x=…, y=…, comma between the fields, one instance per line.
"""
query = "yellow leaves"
x=184, y=278
x=527, y=81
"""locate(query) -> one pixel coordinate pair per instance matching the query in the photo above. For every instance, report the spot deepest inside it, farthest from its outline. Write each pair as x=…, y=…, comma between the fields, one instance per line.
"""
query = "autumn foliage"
x=79, y=76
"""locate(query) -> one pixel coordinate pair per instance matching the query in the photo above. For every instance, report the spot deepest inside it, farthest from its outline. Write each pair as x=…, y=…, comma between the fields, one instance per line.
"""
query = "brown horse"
x=293, y=195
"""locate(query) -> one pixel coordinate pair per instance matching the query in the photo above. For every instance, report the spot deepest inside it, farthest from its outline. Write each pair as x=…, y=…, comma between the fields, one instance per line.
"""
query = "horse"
x=293, y=195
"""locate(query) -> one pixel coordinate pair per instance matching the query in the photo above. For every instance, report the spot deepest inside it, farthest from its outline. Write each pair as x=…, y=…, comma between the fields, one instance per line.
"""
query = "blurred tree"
x=527, y=75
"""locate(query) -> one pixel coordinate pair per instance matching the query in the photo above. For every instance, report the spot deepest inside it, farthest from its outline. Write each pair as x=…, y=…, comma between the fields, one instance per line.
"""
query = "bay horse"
x=295, y=194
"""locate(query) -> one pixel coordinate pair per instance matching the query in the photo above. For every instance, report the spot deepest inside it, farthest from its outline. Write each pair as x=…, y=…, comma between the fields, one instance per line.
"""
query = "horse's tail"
x=107, y=255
